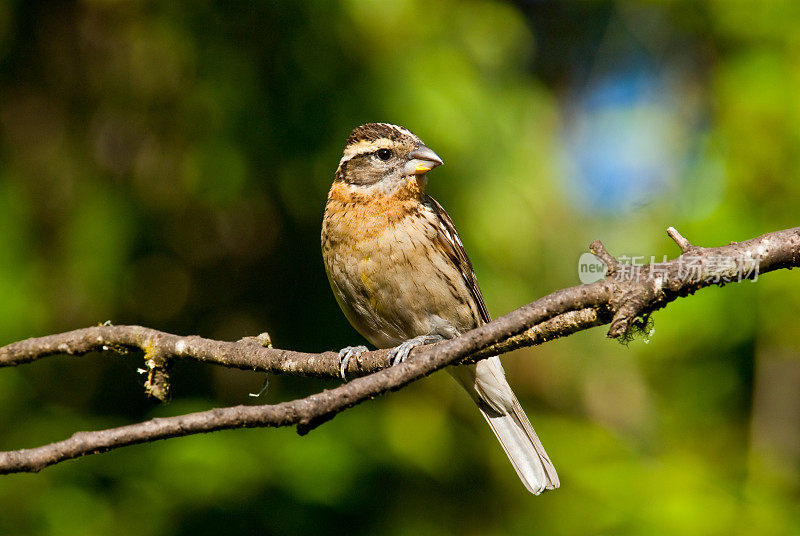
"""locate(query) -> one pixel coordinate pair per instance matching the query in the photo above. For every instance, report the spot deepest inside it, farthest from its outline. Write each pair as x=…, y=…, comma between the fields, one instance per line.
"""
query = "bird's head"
x=380, y=157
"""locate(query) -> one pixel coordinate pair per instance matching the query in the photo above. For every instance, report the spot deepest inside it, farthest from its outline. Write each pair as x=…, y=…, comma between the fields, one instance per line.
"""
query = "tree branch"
x=628, y=292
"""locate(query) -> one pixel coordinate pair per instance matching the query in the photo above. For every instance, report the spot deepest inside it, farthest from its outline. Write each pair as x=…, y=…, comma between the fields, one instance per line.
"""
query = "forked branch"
x=629, y=292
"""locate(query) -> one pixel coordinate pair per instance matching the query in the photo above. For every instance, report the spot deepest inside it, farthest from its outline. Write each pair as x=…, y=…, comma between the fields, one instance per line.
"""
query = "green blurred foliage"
x=167, y=164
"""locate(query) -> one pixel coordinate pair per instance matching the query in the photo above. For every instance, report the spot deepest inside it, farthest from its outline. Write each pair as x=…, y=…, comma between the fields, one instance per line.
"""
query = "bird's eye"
x=384, y=154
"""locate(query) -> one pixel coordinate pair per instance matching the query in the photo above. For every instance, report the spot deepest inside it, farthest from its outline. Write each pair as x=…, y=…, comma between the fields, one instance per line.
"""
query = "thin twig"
x=684, y=244
x=599, y=250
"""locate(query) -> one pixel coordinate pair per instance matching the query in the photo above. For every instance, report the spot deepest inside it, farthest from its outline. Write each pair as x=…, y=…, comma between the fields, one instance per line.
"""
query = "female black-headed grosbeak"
x=400, y=274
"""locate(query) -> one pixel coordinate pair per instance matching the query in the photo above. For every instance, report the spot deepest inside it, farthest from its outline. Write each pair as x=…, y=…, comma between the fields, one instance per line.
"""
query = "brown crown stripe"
x=375, y=131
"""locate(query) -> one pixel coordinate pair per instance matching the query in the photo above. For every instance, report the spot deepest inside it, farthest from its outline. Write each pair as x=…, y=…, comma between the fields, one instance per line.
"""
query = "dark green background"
x=166, y=163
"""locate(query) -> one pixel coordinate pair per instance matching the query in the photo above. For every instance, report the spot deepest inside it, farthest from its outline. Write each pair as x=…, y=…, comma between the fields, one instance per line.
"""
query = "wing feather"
x=450, y=242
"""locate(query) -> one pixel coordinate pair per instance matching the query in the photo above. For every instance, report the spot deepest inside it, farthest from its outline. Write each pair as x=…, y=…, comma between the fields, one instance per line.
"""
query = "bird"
x=402, y=277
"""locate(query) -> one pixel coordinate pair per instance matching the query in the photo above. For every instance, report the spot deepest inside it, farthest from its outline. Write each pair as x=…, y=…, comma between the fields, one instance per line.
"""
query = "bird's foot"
x=345, y=354
x=400, y=353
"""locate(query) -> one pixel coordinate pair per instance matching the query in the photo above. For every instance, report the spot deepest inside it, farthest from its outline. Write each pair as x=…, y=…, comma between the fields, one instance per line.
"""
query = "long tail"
x=486, y=383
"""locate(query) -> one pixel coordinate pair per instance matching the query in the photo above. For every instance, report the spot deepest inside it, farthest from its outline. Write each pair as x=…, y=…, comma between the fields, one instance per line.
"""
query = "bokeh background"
x=166, y=163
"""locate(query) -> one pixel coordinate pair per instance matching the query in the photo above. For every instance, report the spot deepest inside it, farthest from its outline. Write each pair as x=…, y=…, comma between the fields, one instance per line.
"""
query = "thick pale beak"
x=423, y=159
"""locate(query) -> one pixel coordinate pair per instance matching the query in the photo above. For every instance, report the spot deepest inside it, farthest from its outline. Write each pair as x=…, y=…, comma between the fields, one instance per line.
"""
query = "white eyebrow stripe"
x=365, y=146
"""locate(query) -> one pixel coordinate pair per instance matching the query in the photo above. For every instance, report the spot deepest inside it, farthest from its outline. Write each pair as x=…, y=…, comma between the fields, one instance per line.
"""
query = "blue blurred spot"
x=621, y=140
